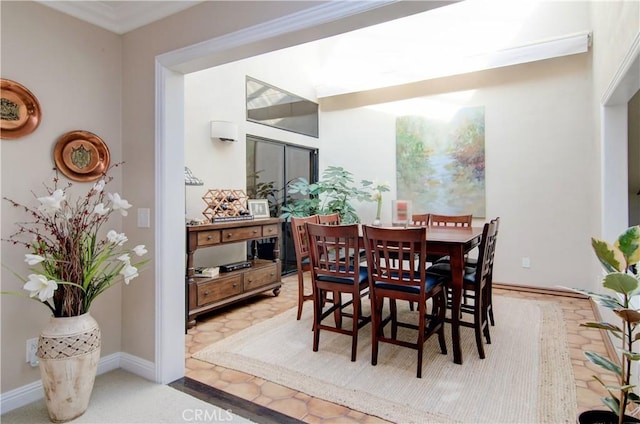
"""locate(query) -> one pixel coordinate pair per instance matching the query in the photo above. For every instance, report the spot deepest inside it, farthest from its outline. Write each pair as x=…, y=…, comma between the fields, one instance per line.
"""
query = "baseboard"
x=33, y=392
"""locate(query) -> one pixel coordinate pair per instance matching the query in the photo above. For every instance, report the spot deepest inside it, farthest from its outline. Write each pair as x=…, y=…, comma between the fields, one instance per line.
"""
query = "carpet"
x=120, y=397
x=526, y=377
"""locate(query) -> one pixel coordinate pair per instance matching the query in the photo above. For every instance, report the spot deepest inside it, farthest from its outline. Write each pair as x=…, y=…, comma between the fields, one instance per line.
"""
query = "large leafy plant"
x=620, y=261
x=332, y=193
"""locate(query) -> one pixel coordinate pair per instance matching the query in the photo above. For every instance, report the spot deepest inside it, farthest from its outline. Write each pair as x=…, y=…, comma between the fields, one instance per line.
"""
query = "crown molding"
x=119, y=16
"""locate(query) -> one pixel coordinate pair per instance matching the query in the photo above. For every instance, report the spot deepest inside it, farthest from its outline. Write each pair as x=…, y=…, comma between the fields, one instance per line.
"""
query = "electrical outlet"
x=526, y=263
x=32, y=349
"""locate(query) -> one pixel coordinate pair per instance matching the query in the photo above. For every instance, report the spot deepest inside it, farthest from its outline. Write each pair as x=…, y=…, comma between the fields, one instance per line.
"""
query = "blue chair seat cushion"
x=430, y=282
x=362, y=277
x=467, y=261
x=443, y=269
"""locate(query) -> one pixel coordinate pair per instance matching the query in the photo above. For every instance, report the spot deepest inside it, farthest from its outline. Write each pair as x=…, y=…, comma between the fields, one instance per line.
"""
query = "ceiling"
x=120, y=16
x=466, y=36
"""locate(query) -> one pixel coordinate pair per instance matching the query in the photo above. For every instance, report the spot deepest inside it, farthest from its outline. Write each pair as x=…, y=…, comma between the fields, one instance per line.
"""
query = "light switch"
x=144, y=218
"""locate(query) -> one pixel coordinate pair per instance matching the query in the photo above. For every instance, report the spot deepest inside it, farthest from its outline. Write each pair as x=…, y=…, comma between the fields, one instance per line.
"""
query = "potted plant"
x=72, y=260
x=619, y=261
x=332, y=193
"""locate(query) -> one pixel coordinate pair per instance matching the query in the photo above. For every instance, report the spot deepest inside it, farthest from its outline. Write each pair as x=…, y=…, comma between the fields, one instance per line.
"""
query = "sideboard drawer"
x=219, y=288
x=260, y=277
x=270, y=230
x=207, y=238
x=241, y=233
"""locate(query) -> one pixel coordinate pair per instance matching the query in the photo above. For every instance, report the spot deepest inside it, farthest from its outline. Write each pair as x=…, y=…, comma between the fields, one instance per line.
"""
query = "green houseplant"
x=332, y=193
x=620, y=261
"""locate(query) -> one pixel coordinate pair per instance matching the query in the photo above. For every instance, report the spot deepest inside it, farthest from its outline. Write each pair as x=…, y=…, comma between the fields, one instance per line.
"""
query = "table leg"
x=457, y=274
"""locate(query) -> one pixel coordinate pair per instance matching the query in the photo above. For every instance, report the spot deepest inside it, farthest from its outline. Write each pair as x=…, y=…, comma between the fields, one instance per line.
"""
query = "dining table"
x=454, y=242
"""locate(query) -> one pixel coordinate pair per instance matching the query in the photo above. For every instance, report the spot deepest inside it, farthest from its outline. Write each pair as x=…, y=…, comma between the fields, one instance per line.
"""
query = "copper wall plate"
x=81, y=156
x=19, y=110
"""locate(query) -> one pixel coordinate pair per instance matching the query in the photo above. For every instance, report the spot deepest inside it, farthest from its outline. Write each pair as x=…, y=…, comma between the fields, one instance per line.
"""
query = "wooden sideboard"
x=204, y=294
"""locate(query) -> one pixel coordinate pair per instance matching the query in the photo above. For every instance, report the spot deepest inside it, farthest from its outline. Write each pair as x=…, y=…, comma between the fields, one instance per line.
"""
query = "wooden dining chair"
x=477, y=282
x=409, y=282
x=334, y=270
x=301, y=246
x=436, y=220
x=329, y=219
x=450, y=220
x=420, y=219
x=442, y=267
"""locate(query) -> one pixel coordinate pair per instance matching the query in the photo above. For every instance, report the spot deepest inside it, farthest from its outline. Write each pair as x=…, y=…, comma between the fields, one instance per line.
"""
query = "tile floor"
x=220, y=324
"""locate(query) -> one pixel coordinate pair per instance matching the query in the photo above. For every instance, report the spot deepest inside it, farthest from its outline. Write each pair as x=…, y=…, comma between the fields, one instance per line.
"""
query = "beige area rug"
x=526, y=377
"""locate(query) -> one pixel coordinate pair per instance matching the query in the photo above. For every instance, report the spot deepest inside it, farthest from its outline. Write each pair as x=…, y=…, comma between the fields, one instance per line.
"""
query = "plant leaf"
x=610, y=256
x=629, y=315
x=621, y=283
x=603, y=362
x=602, y=326
x=629, y=244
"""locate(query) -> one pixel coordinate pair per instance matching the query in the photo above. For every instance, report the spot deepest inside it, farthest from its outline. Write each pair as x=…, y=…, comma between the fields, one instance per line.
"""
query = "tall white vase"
x=69, y=352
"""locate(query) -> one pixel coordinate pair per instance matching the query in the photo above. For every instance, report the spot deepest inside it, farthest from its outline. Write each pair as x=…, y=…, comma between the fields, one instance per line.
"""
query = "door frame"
x=170, y=69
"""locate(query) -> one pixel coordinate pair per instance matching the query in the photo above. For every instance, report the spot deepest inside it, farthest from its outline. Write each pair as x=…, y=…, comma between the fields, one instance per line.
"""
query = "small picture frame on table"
x=401, y=212
x=259, y=208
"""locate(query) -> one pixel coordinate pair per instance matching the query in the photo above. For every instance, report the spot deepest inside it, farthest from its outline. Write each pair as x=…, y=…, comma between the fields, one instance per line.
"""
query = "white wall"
x=537, y=141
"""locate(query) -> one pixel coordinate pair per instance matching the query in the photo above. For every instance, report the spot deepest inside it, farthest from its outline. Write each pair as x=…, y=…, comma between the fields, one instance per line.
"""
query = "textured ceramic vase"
x=68, y=351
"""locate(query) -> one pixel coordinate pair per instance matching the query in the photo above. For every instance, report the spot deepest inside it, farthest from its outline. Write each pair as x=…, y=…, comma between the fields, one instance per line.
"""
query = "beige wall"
x=74, y=69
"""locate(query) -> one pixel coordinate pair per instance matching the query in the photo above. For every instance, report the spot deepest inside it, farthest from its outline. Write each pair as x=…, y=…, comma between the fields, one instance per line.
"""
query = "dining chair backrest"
x=329, y=247
x=300, y=239
x=329, y=219
x=420, y=219
x=486, y=253
x=384, y=245
x=301, y=246
x=450, y=220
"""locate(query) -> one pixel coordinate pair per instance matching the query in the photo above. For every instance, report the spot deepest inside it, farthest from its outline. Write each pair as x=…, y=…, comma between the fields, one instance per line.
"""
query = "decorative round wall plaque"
x=19, y=110
x=81, y=156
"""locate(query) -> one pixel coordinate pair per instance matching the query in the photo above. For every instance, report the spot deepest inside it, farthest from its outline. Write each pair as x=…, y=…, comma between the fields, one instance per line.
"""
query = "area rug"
x=526, y=376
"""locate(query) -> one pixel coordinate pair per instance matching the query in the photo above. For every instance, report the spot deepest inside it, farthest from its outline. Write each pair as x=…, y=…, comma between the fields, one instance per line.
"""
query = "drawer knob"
x=206, y=293
x=209, y=237
x=235, y=285
x=250, y=280
x=255, y=231
x=229, y=235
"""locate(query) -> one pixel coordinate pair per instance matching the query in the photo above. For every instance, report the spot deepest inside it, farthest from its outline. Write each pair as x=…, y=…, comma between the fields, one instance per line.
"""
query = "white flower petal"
x=100, y=209
x=33, y=259
x=51, y=203
x=119, y=204
x=38, y=285
x=99, y=186
x=125, y=258
x=129, y=272
x=140, y=250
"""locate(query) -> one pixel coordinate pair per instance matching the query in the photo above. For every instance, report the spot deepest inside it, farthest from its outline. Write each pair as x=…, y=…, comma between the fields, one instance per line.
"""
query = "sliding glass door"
x=271, y=165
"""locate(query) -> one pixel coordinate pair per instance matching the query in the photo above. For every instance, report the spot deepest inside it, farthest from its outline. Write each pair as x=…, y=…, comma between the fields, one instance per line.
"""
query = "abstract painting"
x=440, y=164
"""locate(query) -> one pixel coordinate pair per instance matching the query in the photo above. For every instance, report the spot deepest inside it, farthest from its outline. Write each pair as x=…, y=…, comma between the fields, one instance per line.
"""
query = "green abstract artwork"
x=440, y=164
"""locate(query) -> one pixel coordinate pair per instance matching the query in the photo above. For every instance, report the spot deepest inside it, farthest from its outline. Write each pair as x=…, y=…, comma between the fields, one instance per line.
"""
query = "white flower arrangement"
x=71, y=264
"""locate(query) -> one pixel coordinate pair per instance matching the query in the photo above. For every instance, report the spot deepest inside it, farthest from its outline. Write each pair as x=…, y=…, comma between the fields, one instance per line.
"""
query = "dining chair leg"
x=376, y=331
x=421, y=330
x=478, y=327
x=441, y=306
x=317, y=314
x=301, y=296
x=393, y=308
x=485, y=314
x=337, y=314
x=355, y=324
